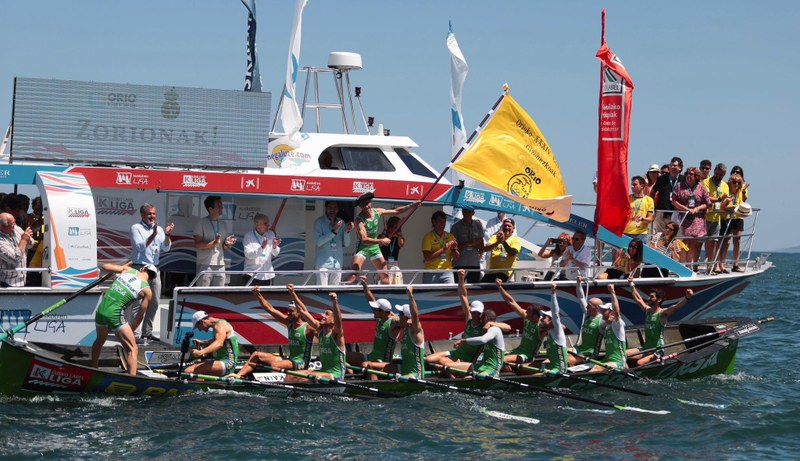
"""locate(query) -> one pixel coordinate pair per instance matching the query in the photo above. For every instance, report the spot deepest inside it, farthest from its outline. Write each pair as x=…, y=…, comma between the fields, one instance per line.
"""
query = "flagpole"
x=455, y=157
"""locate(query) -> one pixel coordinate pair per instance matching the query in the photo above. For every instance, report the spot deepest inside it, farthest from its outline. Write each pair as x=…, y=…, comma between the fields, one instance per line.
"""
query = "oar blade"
x=506, y=416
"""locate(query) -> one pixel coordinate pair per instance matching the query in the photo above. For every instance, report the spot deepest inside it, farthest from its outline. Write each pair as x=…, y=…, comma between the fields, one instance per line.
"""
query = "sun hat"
x=654, y=167
x=382, y=304
x=365, y=196
x=744, y=209
x=197, y=317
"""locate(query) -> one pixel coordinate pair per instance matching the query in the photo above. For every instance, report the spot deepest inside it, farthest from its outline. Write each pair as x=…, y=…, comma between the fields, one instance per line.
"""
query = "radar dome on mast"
x=344, y=60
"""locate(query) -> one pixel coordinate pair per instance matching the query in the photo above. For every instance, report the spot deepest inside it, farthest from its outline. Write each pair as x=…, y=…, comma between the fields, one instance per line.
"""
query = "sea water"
x=751, y=414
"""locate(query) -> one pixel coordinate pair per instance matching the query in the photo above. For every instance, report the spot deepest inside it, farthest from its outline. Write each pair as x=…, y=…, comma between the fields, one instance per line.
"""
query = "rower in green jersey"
x=529, y=343
x=475, y=326
x=369, y=243
x=613, y=330
x=383, y=344
x=331, y=343
x=492, y=357
x=590, y=339
x=299, y=333
x=656, y=318
x=412, y=340
x=130, y=285
x=223, y=346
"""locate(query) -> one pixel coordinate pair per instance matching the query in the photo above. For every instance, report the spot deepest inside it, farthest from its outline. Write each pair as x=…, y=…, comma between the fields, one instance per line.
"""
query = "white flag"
x=290, y=111
x=458, y=74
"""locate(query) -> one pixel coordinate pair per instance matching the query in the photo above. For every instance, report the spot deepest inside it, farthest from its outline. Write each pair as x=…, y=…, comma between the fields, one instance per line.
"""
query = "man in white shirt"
x=576, y=257
x=260, y=246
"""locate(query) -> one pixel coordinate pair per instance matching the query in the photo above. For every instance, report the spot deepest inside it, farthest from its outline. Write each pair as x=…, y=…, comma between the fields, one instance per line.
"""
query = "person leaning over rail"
x=224, y=344
x=129, y=286
x=299, y=333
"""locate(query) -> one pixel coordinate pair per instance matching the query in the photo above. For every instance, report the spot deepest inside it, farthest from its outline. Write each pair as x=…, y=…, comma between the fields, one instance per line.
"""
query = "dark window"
x=414, y=164
x=365, y=159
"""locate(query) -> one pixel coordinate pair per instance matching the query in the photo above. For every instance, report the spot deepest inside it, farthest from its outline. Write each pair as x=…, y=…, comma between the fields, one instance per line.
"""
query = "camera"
x=558, y=241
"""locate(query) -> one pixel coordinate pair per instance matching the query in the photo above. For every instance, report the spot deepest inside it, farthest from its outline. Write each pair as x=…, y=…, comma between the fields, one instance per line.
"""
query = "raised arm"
x=614, y=301
x=367, y=292
x=303, y=311
x=338, y=330
x=637, y=297
x=580, y=293
x=398, y=210
x=416, y=325
x=509, y=299
x=275, y=313
x=462, y=292
x=674, y=308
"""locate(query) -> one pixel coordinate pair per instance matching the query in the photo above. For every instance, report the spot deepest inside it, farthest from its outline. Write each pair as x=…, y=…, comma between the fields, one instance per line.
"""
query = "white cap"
x=476, y=306
x=151, y=269
x=547, y=313
x=382, y=304
x=653, y=167
x=404, y=309
x=198, y=316
x=606, y=307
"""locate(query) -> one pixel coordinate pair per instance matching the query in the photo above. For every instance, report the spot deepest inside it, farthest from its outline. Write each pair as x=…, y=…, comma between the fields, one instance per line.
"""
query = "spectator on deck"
x=211, y=238
x=641, y=209
x=668, y=243
x=733, y=224
x=627, y=264
x=148, y=241
x=577, y=257
x=704, y=170
x=560, y=245
x=469, y=235
x=662, y=193
x=261, y=245
x=332, y=236
x=717, y=192
x=439, y=248
x=691, y=197
x=650, y=178
x=505, y=248
x=36, y=223
x=14, y=246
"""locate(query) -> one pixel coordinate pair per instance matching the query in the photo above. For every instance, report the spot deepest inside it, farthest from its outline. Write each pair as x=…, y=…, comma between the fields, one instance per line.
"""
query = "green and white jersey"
x=615, y=343
x=371, y=227
x=123, y=291
x=530, y=343
x=491, y=361
x=467, y=352
x=653, y=331
x=299, y=345
x=589, y=344
x=413, y=356
x=383, y=343
x=333, y=359
x=229, y=352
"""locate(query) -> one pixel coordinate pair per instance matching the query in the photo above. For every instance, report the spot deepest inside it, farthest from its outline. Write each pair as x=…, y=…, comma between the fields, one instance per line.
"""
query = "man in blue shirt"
x=331, y=236
x=148, y=240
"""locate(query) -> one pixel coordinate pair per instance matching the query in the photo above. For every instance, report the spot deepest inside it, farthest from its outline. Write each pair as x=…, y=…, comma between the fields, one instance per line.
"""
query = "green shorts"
x=110, y=320
x=370, y=252
x=464, y=353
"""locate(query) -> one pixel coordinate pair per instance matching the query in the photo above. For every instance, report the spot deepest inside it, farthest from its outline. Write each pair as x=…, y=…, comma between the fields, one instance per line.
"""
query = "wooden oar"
x=607, y=367
x=337, y=382
x=55, y=306
x=424, y=382
x=519, y=366
x=739, y=331
x=246, y=382
x=545, y=390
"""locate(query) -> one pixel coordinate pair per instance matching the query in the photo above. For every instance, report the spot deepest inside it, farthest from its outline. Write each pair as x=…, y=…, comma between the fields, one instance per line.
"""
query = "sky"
x=713, y=79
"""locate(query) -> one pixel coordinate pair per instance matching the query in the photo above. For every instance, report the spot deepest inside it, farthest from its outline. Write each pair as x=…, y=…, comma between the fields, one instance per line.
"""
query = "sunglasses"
x=738, y=183
x=705, y=167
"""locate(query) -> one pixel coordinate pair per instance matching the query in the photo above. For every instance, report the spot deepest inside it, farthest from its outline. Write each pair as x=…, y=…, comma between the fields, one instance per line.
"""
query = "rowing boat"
x=698, y=348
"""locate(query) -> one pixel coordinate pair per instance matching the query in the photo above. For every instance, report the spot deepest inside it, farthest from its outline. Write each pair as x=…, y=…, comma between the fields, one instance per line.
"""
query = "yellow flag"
x=512, y=157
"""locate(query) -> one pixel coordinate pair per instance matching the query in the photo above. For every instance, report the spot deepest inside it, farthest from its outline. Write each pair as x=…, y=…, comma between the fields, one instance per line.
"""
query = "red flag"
x=613, y=206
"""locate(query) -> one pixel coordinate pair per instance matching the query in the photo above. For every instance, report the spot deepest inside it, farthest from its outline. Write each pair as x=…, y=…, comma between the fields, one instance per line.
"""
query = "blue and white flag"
x=458, y=74
x=290, y=111
x=252, y=78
